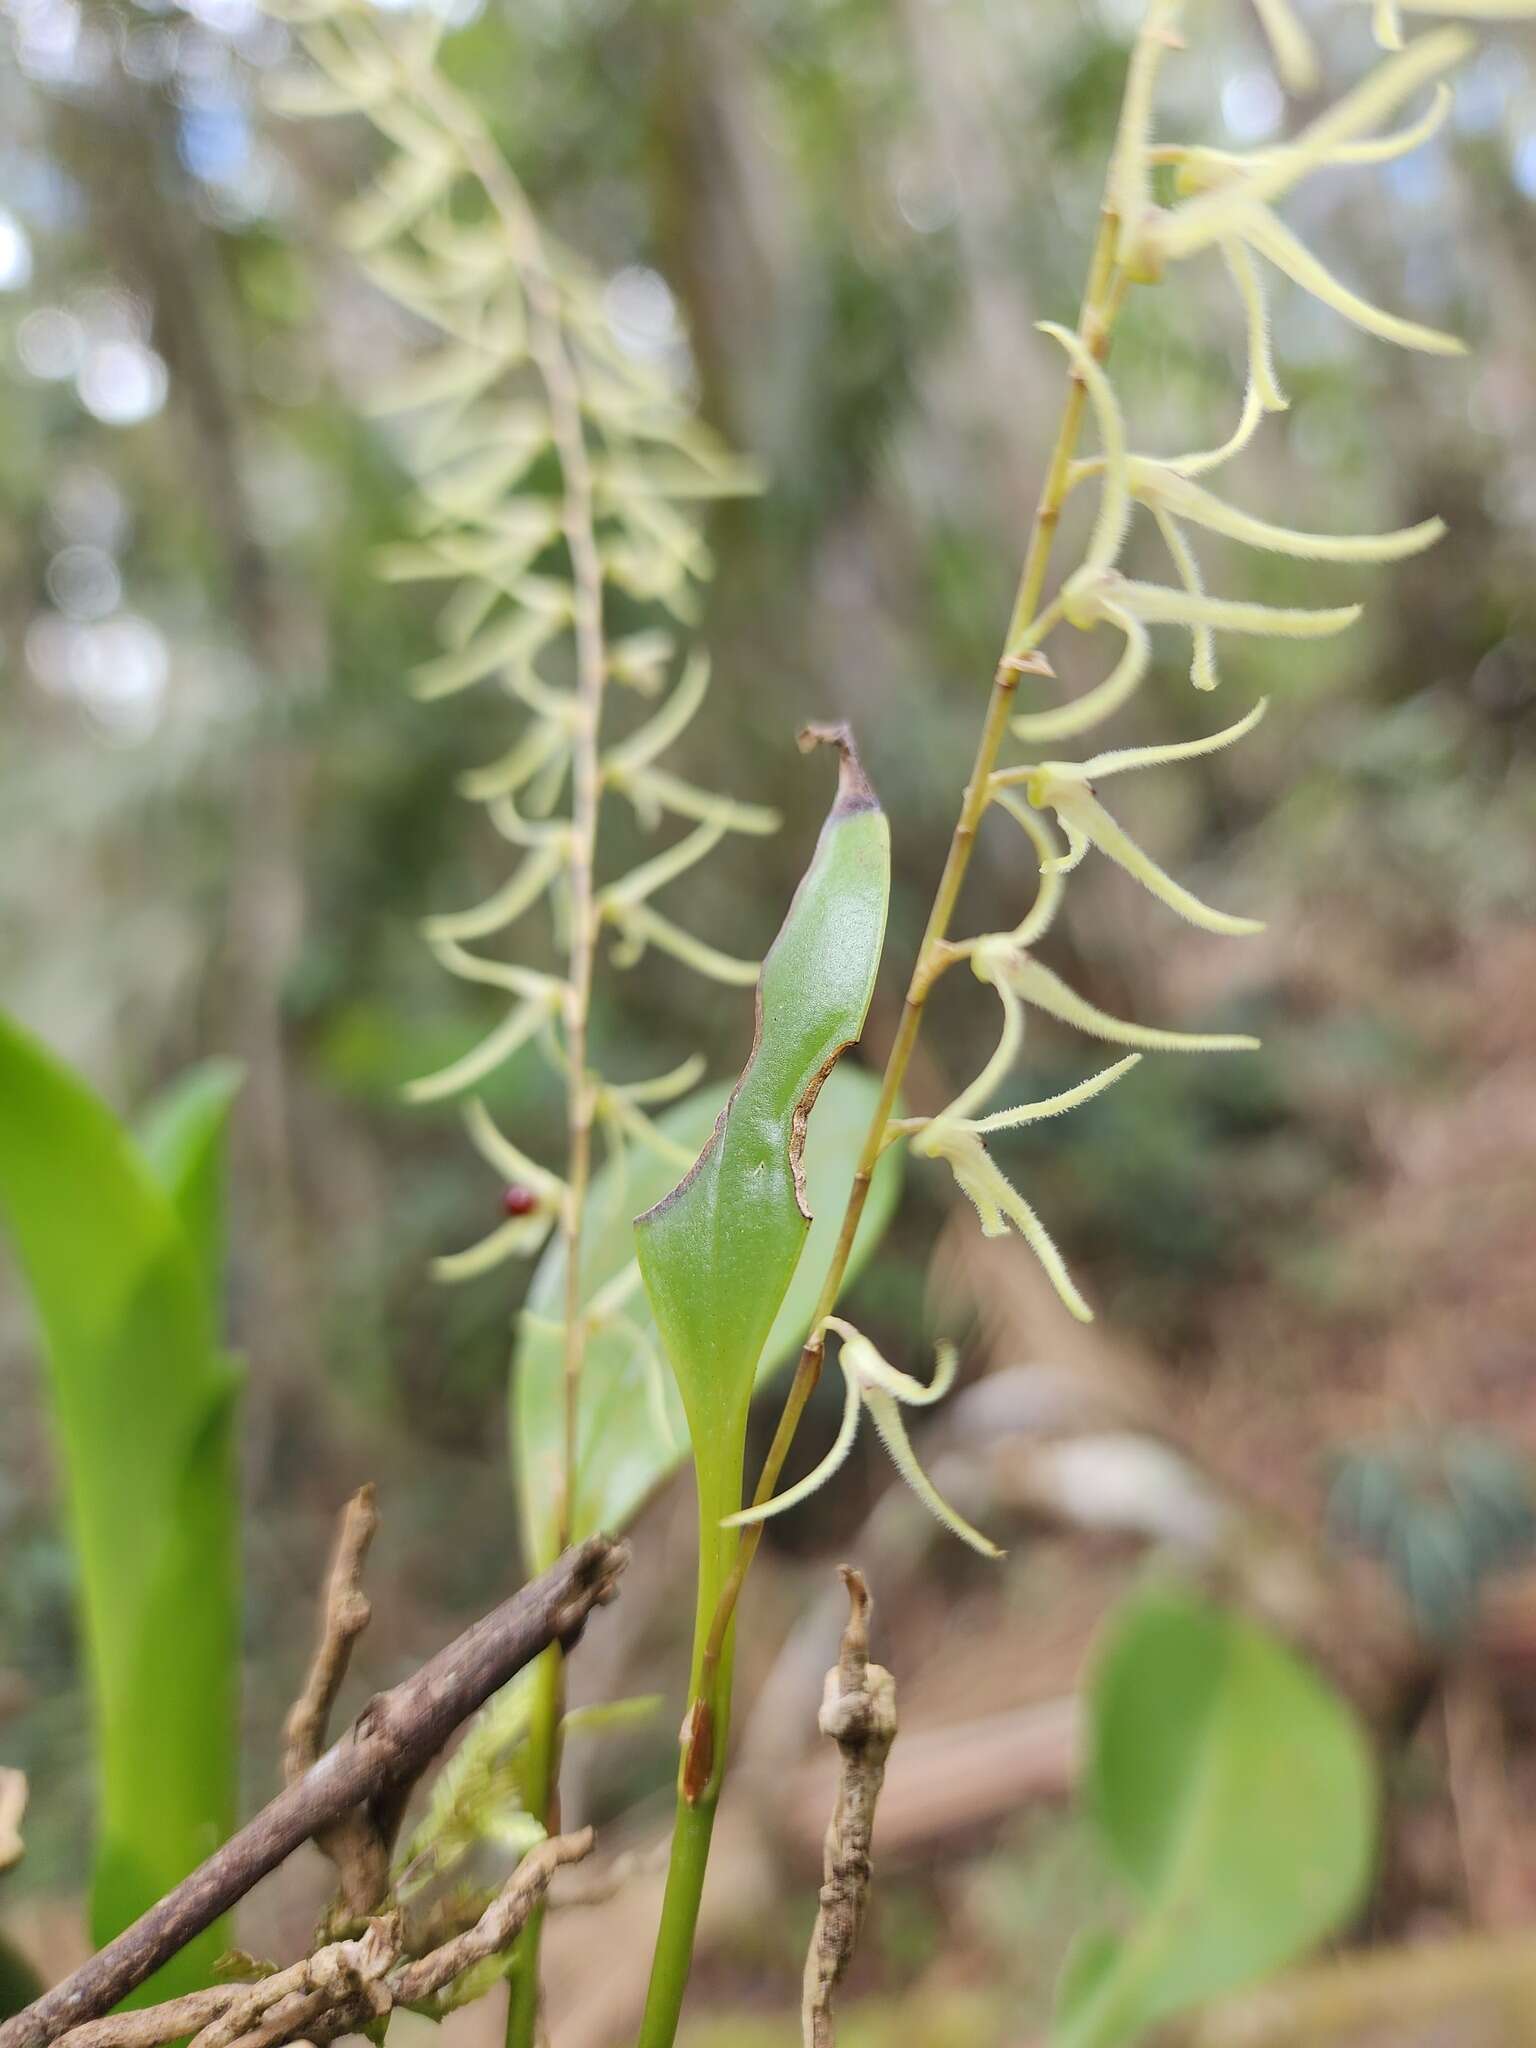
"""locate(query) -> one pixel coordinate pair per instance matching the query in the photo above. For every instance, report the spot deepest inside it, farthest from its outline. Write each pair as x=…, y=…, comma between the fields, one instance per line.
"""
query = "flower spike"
x=870, y=1381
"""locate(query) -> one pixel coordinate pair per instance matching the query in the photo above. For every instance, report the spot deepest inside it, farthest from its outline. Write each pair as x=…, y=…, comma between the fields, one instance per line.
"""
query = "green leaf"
x=603, y=1716
x=1237, y=1794
x=1091, y=1958
x=143, y=1402
x=630, y=1441
x=182, y=1137
x=718, y=1253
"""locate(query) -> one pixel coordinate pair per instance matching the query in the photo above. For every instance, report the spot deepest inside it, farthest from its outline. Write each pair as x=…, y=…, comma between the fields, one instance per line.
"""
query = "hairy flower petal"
x=1038, y=985
x=1266, y=233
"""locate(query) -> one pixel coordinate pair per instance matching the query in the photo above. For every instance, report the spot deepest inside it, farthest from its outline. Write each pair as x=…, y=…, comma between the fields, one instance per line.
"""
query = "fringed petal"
x=1074, y=804
x=1038, y=985
x=1273, y=240
x=1105, y=698
x=507, y=904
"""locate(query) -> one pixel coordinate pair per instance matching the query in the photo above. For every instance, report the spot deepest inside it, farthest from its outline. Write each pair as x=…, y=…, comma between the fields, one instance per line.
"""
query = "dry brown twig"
x=343, y=1986
x=372, y=1768
x=359, y=1844
x=858, y=1711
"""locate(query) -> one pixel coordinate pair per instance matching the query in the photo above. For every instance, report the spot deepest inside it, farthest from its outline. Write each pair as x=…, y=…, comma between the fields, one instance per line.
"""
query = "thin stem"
x=1026, y=627
x=721, y=1572
x=552, y=360
x=542, y=1778
x=700, y=1773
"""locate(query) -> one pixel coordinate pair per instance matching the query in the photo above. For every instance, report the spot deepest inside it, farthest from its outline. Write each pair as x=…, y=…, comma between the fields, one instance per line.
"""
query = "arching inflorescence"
x=556, y=479
x=1222, y=203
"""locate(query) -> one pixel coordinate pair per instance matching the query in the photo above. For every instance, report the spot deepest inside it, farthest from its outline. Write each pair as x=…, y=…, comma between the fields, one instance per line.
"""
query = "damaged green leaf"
x=717, y=1254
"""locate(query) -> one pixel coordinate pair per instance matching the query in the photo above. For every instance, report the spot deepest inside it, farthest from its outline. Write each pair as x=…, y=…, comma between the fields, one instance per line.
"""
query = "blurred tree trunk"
x=119, y=143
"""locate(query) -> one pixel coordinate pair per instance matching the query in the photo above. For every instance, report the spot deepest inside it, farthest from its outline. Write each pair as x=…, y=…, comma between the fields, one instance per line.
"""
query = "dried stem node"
x=858, y=1712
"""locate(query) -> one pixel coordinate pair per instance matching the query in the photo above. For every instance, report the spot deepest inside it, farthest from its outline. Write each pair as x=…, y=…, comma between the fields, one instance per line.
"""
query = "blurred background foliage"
x=221, y=815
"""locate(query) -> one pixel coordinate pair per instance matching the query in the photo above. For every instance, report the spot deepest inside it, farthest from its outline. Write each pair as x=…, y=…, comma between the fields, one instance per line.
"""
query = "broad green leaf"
x=718, y=1253
x=1237, y=1794
x=182, y=1137
x=602, y=1717
x=633, y=1433
x=1092, y=1956
x=143, y=1403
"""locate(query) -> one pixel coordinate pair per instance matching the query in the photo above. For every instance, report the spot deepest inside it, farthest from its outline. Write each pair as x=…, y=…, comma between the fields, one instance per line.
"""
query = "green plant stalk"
x=1028, y=624
x=541, y=1777
x=701, y=1770
x=1027, y=627
x=547, y=347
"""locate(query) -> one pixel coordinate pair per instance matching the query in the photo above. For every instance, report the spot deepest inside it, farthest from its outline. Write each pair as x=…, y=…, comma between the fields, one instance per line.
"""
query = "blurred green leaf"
x=1091, y=1959
x=119, y=1268
x=601, y=1717
x=1237, y=1794
x=182, y=1137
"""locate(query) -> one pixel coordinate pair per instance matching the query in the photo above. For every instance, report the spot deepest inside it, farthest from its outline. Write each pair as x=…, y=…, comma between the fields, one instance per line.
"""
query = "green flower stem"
x=542, y=1777
x=700, y=1773
x=551, y=356
x=1027, y=627
x=723, y=1568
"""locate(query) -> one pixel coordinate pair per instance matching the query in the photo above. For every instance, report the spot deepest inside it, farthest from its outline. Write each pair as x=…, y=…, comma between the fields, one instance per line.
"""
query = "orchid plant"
x=554, y=481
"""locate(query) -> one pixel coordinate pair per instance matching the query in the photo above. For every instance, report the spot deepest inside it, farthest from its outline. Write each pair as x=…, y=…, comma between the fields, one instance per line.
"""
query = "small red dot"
x=519, y=1201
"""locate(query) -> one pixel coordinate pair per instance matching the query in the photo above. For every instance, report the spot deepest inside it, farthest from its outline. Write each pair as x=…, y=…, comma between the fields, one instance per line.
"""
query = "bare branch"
x=356, y=1844
x=344, y=1986
x=858, y=1711
x=498, y=1924
x=178, y=2017
x=344, y=1616
x=393, y=1739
